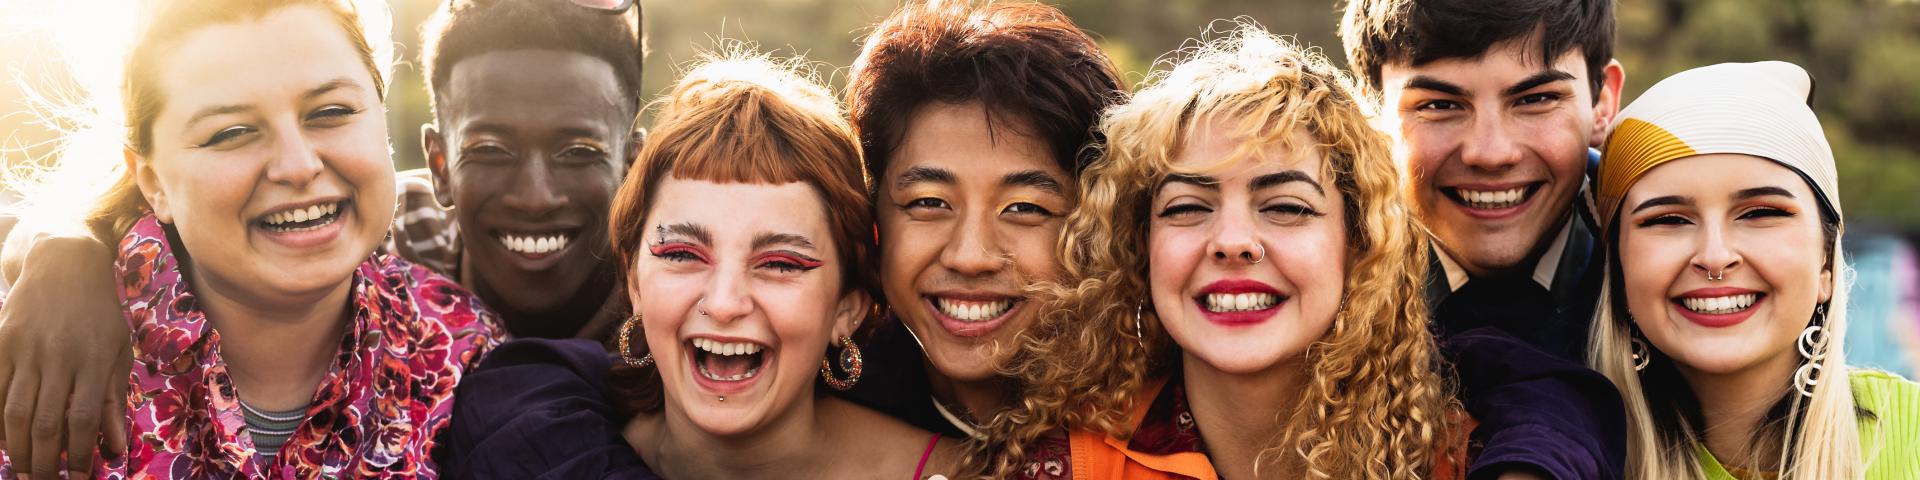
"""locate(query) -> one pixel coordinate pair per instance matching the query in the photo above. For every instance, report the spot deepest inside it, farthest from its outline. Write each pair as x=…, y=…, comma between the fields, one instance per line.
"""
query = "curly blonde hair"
x=1375, y=404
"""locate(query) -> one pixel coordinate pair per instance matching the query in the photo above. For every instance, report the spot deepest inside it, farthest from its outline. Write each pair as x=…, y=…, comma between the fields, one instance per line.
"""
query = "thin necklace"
x=964, y=426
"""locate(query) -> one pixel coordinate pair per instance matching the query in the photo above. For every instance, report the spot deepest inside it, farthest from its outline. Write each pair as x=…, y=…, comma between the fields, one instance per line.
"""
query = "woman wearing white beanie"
x=1724, y=308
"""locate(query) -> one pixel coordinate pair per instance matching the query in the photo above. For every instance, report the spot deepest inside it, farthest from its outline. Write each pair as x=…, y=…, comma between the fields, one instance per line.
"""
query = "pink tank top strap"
x=920, y=469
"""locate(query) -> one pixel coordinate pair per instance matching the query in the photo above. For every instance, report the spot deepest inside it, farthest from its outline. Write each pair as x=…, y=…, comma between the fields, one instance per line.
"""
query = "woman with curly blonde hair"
x=1242, y=290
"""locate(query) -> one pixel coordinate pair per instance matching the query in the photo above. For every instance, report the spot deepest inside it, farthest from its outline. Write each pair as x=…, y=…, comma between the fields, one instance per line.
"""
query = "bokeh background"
x=1864, y=53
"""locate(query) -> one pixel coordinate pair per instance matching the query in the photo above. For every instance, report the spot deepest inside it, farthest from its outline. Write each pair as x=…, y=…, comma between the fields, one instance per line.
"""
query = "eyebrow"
x=1423, y=82
x=1536, y=80
x=331, y=85
x=918, y=175
x=1762, y=192
x=1202, y=181
x=1661, y=201
x=1035, y=179
x=696, y=231
x=1740, y=195
x=1277, y=179
x=765, y=240
x=322, y=89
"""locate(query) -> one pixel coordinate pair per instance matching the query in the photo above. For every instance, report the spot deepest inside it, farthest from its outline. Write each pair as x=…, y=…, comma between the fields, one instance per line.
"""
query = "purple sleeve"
x=539, y=409
x=1536, y=412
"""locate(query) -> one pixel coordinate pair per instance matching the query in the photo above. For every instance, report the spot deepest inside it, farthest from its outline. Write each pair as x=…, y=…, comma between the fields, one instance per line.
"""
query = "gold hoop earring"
x=850, y=362
x=1640, y=355
x=626, y=344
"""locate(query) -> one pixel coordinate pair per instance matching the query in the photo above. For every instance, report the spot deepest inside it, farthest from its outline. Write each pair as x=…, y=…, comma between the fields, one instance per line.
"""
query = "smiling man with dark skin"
x=534, y=104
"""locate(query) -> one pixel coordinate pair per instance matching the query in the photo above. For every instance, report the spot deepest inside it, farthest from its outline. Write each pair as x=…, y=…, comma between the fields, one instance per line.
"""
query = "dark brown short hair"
x=1025, y=62
x=1419, y=31
x=465, y=28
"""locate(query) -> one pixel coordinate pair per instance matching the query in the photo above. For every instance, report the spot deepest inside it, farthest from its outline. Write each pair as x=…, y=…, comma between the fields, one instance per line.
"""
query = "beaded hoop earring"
x=626, y=345
x=850, y=362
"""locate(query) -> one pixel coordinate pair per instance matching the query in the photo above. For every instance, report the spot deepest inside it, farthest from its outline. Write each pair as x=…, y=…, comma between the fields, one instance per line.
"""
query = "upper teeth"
x=717, y=347
x=1238, y=302
x=1494, y=198
x=971, y=311
x=534, y=244
x=1726, y=304
x=303, y=214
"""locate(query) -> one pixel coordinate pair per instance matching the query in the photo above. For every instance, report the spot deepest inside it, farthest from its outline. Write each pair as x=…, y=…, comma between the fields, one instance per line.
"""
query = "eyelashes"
x=780, y=261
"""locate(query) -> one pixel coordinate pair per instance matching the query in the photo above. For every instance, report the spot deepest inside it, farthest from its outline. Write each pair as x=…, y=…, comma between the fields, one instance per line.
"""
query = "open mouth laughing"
x=726, y=366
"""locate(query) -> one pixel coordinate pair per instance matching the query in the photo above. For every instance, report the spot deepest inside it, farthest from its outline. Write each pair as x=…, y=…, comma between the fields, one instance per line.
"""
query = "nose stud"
x=701, y=306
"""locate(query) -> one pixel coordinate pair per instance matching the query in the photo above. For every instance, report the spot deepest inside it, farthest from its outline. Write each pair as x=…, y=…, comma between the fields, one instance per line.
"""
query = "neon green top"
x=1891, y=443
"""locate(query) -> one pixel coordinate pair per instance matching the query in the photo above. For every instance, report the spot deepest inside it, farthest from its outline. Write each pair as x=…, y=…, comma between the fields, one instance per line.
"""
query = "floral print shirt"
x=377, y=413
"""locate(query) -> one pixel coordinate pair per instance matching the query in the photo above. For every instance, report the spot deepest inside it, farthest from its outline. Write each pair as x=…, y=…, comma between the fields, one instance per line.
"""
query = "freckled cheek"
x=212, y=193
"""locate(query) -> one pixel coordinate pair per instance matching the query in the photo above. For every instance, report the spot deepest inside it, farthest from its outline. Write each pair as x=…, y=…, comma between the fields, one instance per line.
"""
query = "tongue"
x=727, y=366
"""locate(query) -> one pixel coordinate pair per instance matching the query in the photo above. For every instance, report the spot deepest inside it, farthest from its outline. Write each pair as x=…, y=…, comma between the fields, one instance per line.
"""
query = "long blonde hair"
x=1373, y=406
x=1818, y=437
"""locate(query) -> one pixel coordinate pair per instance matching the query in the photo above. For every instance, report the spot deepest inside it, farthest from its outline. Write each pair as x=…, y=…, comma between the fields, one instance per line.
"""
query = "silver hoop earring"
x=1813, y=349
x=1139, y=332
x=1639, y=354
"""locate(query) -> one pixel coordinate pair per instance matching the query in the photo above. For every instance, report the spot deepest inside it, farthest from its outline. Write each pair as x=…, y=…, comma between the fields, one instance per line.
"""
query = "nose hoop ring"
x=1255, y=260
x=1714, y=276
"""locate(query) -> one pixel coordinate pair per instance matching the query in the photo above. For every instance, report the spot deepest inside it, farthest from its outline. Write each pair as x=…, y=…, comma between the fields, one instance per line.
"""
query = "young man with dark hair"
x=1494, y=106
x=534, y=106
x=975, y=122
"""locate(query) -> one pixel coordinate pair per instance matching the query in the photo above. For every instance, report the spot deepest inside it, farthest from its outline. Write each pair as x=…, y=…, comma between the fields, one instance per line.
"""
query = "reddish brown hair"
x=1026, y=60
x=747, y=119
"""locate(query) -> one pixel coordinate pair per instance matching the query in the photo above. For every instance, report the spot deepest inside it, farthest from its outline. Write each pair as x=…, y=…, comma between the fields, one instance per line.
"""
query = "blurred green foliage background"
x=1864, y=53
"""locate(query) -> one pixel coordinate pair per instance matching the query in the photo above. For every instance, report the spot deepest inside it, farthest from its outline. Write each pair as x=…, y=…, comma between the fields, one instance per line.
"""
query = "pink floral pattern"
x=376, y=413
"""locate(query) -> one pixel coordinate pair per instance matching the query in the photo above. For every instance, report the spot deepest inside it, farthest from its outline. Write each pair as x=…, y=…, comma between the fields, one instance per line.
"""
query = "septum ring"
x=1713, y=276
